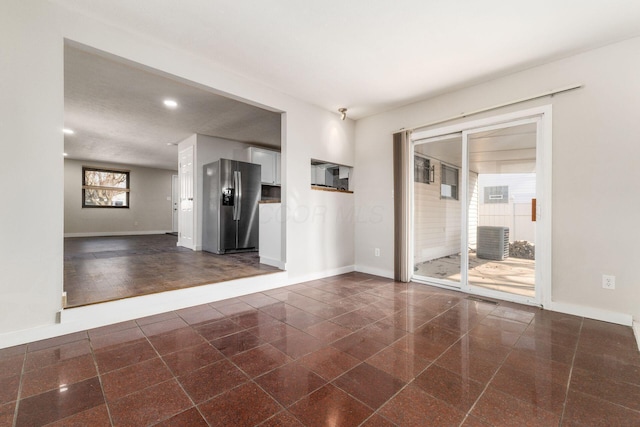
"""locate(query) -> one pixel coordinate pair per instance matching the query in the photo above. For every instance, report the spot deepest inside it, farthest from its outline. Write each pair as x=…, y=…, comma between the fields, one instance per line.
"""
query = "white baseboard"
x=97, y=315
x=321, y=274
x=183, y=245
x=93, y=316
x=592, y=313
x=273, y=262
x=116, y=233
x=388, y=274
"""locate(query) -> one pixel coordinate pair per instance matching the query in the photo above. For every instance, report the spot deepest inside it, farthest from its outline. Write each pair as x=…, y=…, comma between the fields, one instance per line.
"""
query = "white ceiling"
x=372, y=55
x=504, y=150
x=117, y=113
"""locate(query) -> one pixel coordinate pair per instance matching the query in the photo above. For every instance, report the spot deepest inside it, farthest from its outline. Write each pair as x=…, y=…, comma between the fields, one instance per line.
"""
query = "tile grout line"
x=375, y=411
x=573, y=361
x=408, y=383
x=598, y=398
x=99, y=375
x=284, y=410
x=146, y=338
x=173, y=376
x=227, y=358
x=250, y=379
x=511, y=349
x=19, y=395
x=160, y=357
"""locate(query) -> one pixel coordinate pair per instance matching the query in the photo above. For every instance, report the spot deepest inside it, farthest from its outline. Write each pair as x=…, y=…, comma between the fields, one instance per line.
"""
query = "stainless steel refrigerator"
x=230, y=219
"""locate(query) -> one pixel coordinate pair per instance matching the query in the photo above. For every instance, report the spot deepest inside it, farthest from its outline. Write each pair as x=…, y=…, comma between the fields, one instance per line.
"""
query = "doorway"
x=117, y=111
x=478, y=195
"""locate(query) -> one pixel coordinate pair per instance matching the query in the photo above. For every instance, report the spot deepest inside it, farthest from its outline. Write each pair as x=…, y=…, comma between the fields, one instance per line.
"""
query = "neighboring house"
x=595, y=154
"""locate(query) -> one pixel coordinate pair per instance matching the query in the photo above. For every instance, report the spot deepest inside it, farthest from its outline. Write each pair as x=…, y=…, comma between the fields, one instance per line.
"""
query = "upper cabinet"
x=270, y=162
x=331, y=176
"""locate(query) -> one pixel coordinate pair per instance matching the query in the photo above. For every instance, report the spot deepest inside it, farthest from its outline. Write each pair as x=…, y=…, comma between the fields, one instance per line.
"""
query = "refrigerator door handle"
x=237, y=183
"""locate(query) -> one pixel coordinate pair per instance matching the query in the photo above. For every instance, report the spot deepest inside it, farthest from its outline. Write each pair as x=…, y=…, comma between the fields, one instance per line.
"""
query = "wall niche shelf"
x=328, y=176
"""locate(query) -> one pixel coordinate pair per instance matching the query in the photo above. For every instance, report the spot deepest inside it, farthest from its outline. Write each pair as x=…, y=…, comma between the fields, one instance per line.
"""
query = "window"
x=449, y=183
x=496, y=194
x=104, y=188
x=422, y=170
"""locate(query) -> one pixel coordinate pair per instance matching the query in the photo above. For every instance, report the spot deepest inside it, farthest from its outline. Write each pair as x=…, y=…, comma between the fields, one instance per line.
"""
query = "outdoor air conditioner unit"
x=493, y=243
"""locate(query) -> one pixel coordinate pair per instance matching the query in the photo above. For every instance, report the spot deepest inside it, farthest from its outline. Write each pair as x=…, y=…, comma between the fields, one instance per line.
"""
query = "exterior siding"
x=437, y=221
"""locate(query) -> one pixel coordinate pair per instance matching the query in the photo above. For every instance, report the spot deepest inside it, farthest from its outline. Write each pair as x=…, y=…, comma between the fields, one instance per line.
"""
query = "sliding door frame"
x=432, y=280
x=542, y=117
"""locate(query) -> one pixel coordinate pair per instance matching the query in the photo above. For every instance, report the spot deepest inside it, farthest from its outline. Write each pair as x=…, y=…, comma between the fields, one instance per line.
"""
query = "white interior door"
x=186, y=220
x=175, y=202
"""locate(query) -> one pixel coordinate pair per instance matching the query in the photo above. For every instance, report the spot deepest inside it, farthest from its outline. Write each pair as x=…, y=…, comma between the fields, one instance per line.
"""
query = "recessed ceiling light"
x=170, y=103
x=68, y=131
x=172, y=143
x=65, y=154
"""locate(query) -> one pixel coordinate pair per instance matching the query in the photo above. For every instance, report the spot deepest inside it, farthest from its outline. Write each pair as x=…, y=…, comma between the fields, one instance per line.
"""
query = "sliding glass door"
x=501, y=208
x=437, y=209
x=474, y=209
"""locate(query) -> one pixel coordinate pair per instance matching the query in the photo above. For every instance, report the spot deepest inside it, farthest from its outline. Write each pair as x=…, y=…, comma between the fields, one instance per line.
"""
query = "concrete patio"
x=513, y=275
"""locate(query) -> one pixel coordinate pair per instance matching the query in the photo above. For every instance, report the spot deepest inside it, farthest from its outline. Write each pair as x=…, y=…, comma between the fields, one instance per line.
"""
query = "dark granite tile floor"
x=350, y=350
x=99, y=269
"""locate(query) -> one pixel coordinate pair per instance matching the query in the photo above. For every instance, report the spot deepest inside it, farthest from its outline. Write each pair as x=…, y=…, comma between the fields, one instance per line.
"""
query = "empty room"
x=435, y=202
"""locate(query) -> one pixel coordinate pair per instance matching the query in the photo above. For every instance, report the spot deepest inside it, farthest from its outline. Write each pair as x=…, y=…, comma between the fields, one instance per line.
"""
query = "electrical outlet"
x=377, y=252
x=608, y=282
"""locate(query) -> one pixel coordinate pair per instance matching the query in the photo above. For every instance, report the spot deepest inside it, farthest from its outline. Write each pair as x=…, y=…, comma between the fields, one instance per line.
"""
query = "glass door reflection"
x=437, y=209
x=501, y=209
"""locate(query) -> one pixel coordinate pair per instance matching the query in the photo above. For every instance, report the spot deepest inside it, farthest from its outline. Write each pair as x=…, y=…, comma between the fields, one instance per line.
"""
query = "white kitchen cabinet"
x=278, y=157
x=270, y=162
x=270, y=235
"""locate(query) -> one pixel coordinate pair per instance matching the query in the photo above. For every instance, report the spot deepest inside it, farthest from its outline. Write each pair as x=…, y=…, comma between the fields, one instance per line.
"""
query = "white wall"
x=149, y=210
x=332, y=245
x=32, y=47
x=211, y=149
x=595, y=152
x=328, y=139
x=31, y=172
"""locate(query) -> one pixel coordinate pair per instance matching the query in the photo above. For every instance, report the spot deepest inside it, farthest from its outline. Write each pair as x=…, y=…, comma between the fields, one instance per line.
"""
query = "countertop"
x=315, y=187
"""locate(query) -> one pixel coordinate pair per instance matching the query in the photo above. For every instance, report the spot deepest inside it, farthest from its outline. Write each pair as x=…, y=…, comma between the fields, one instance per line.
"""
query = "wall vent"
x=493, y=243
